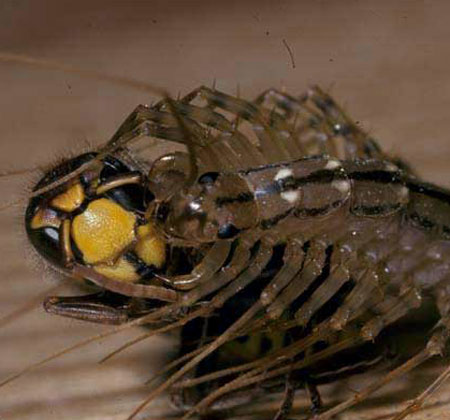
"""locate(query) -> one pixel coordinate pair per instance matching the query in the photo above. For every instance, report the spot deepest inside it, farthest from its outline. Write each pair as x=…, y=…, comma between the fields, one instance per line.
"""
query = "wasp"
x=284, y=240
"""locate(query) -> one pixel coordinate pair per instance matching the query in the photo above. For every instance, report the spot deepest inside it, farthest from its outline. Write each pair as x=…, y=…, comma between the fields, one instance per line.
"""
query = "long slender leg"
x=434, y=347
x=299, y=123
x=338, y=276
x=288, y=400
x=357, y=144
x=320, y=125
x=312, y=267
x=271, y=145
x=419, y=401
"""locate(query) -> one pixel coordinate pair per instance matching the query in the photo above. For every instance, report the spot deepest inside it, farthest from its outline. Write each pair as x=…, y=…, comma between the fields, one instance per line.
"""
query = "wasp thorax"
x=96, y=219
x=218, y=206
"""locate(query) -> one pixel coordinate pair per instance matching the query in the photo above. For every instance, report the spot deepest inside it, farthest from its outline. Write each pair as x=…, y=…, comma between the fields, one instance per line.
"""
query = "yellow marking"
x=45, y=218
x=122, y=270
x=150, y=248
x=69, y=200
x=103, y=231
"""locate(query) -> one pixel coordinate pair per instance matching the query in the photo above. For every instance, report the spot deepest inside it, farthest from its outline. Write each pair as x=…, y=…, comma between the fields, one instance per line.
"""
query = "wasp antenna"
x=91, y=74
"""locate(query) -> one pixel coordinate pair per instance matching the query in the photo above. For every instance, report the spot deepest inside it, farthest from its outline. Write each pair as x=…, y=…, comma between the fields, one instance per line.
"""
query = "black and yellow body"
x=97, y=221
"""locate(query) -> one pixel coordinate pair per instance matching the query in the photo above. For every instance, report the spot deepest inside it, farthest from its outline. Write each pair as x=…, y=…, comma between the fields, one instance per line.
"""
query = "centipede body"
x=357, y=229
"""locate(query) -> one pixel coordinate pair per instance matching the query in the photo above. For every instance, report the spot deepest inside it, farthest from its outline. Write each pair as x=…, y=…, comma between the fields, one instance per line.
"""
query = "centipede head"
x=217, y=207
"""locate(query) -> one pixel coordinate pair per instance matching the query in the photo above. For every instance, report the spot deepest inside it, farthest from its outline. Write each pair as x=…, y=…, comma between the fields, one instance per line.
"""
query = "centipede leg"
x=408, y=300
x=204, y=271
x=357, y=144
x=312, y=267
x=338, y=276
x=367, y=284
x=272, y=146
x=419, y=401
x=434, y=347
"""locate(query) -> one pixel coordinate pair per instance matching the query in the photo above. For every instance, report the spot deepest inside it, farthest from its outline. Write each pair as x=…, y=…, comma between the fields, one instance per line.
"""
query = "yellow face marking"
x=69, y=200
x=45, y=218
x=103, y=231
x=150, y=248
x=122, y=270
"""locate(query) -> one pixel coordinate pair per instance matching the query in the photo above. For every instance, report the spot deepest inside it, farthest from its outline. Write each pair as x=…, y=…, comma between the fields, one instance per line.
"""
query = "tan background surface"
x=388, y=62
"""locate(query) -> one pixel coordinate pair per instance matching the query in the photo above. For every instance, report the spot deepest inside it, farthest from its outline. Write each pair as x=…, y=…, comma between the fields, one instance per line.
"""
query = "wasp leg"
x=314, y=396
x=288, y=400
x=102, y=308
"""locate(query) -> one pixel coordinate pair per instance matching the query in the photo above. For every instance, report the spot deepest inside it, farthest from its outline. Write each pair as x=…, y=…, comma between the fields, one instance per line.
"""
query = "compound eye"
x=208, y=178
x=228, y=231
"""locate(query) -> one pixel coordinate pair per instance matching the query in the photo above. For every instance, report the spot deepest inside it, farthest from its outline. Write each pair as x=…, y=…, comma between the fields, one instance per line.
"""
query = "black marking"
x=376, y=210
x=317, y=211
x=266, y=344
x=142, y=269
x=208, y=178
x=323, y=176
x=240, y=198
x=228, y=231
x=343, y=129
x=287, y=165
x=268, y=223
x=243, y=339
x=424, y=222
x=429, y=190
x=379, y=176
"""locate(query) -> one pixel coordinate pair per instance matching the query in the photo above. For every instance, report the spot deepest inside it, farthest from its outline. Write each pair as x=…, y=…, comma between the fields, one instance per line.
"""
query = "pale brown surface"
x=389, y=63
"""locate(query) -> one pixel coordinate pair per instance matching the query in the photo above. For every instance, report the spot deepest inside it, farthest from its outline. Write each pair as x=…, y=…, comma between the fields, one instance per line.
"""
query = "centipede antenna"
x=64, y=351
x=12, y=204
x=197, y=359
x=30, y=305
x=16, y=172
x=164, y=329
x=174, y=364
x=140, y=321
x=90, y=74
